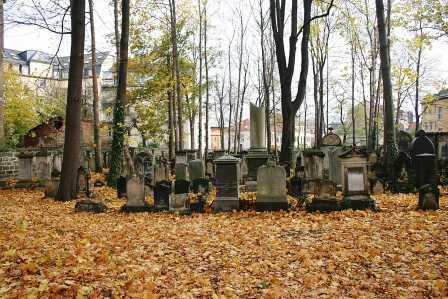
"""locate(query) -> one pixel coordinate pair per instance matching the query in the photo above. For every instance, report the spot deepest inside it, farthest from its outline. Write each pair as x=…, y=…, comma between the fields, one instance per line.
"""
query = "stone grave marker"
x=181, y=186
x=196, y=169
x=121, y=187
x=25, y=170
x=136, y=196
x=162, y=193
x=326, y=200
x=43, y=170
x=227, y=184
x=201, y=185
x=271, y=189
x=181, y=171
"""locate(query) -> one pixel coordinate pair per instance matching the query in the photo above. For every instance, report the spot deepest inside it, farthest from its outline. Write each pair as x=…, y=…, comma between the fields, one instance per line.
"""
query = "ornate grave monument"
x=227, y=184
x=354, y=180
x=271, y=188
x=332, y=148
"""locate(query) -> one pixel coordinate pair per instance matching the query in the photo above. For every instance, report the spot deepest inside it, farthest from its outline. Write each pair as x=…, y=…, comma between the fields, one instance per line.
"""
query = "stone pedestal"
x=227, y=184
x=271, y=189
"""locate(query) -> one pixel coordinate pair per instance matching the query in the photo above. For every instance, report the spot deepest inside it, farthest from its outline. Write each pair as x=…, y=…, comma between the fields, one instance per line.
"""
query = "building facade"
x=435, y=113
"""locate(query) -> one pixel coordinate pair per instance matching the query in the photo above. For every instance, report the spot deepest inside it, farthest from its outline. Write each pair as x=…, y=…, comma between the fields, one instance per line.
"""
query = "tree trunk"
x=96, y=112
x=266, y=80
x=207, y=89
x=121, y=101
x=353, y=93
x=180, y=125
x=2, y=77
x=170, y=126
x=117, y=33
x=390, y=149
x=200, y=79
x=72, y=142
x=230, y=99
x=417, y=89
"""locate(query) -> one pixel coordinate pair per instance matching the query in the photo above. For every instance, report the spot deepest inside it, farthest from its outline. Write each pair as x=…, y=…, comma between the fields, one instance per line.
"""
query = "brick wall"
x=8, y=164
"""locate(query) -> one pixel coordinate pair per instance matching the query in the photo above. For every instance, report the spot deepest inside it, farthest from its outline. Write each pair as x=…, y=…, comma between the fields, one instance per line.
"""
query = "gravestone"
x=403, y=183
x=121, y=187
x=136, y=196
x=43, y=169
x=295, y=185
x=88, y=205
x=162, y=193
x=354, y=180
x=192, y=154
x=423, y=158
x=210, y=172
x=181, y=186
x=25, y=170
x=196, y=169
x=257, y=155
x=201, y=185
x=159, y=173
x=227, y=184
x=326, y=200
x=271, y=189
x=82, y=182
x=313, y=160
x=181, y=171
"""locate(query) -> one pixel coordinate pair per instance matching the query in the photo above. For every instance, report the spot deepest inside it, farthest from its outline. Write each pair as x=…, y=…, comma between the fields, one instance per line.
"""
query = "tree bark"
x=72, y=142
x=390, y=148
x=2, y=77
x=230, y=98
x=353, y=93
x=117, y=33
x=417, y=86
x=207, y=89
x=200, y=79
x=96, y=112
x=121, y=101
x=180, y=126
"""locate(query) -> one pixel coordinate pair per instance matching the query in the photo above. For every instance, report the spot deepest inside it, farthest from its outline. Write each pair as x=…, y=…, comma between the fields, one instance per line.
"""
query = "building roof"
x=25, y=57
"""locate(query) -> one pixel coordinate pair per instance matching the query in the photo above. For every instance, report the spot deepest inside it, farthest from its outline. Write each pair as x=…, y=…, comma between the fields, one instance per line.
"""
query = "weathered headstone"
x=182, y=171
x=196, y=169
x=43, y=169
x=271, y=189
x=423, y=156
x=88, y=205
x=181, y=186
x=136, y=196
x=162, y=193
x=326, y=200
x=121, y=187
x=25, y=170
x=201, y=185
x=227, y=184
x=354, y=180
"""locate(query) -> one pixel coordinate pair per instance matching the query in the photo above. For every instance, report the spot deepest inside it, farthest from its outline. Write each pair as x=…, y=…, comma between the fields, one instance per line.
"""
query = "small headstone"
x=182, y=171
x=179, y=203
x=43, y=171
x=326, y=200
x=201, y=186
x=295, y=186
x=121, y=187
x=227, y=184
x=162, y=193
x=25, y=169
x=51, y=188
x=136, y=197
x=181, y=187
x=271, y=189
x=196, y=169
x=159, y=173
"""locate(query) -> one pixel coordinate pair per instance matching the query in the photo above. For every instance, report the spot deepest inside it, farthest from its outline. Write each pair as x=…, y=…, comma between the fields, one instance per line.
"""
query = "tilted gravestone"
x=271, y=189
x=227, y=184
x=423, y=158
x=162, y=193
x=136, y=196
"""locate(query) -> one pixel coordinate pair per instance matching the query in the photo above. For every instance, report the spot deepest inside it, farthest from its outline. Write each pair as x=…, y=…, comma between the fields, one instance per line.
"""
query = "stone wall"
x=9, y=164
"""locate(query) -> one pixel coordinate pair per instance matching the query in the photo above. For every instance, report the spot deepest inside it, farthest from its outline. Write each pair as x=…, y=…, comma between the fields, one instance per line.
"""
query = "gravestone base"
x=179, y=203
x=428, y=198
x=144, y=207
x=404, y=187
x=254, y=159
x=324, y=205
x=226, y=204
x=271, y=204
x=251, y=186
x=359, y=202
x=88, y=205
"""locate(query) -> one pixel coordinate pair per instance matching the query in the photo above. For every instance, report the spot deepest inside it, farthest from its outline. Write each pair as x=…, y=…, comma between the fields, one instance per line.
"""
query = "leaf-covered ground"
x=46, y=250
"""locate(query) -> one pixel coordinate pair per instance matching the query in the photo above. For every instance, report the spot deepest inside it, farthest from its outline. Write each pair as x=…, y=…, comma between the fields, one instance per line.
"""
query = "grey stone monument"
x=196, y=169
x=257, y=155
x=136, y=196
x=271, y=189
x=181, y=171
x=227, y=184
x=43, y=166
x=25, y=170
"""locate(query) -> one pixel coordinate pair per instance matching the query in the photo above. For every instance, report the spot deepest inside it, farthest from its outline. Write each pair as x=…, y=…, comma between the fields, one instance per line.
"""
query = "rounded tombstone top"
x=422, y=144
x=227, y=159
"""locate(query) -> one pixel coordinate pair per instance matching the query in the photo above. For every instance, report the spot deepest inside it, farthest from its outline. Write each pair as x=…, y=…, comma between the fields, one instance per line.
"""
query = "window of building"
x=439, y=113
x=20, y=68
